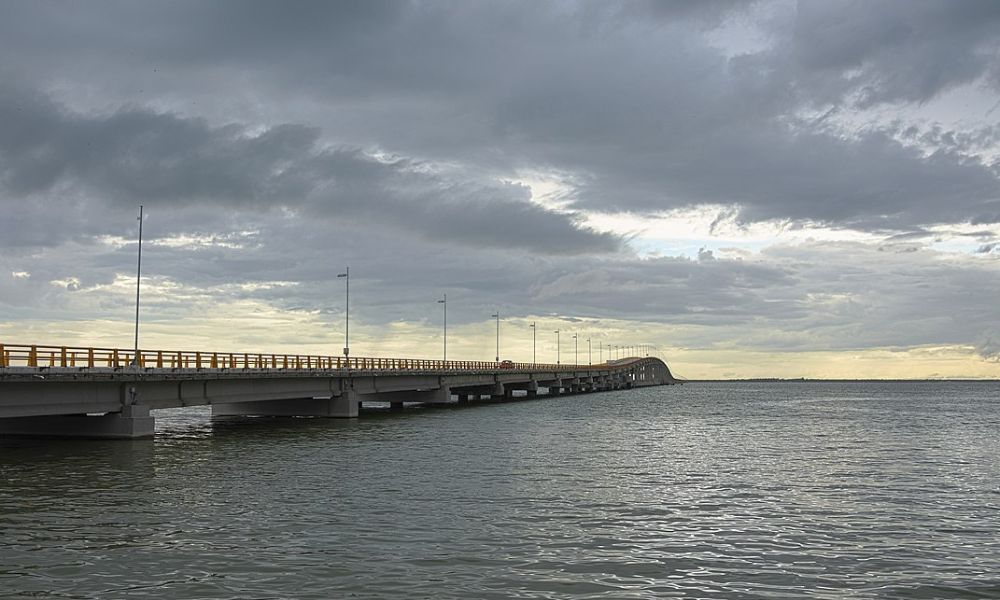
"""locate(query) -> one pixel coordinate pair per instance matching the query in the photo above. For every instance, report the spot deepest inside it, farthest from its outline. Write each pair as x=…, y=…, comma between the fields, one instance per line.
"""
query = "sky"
x=751, y=189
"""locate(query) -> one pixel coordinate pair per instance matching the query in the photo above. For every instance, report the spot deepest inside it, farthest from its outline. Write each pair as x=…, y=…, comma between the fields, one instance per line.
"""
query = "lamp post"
x=557, y=347
x=445, y=303
x=138, y=277
x=497, y=317
x=534, y=331
x=600, y=352
x=347, y=312
x=590, y=353
x=576, y=350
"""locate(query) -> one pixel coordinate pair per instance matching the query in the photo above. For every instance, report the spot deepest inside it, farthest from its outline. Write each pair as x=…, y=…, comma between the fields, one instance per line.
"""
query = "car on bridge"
x=506, y=364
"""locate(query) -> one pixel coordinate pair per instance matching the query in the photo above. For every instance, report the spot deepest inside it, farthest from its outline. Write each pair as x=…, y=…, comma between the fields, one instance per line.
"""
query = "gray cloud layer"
x=167, y=161
x=393, y=136
x=643, y=109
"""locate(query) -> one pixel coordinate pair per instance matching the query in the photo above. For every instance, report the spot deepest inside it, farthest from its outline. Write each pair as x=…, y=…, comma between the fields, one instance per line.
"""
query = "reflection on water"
x=707, y=490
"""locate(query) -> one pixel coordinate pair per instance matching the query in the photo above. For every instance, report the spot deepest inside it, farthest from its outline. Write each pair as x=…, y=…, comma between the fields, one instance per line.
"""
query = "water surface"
x=712, y=490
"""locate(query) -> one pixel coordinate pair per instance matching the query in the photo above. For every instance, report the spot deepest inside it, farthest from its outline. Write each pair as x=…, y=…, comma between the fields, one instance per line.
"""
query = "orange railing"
x=37, y=356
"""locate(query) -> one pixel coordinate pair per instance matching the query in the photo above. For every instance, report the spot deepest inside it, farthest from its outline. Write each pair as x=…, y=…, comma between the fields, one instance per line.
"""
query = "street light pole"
x=576, y=350
x=497, y=315
x=590, y=353
x=445, y=303
x=347, y=313
x=534, y=332
x=600, y=352
x=138, y=277
x=557, y=347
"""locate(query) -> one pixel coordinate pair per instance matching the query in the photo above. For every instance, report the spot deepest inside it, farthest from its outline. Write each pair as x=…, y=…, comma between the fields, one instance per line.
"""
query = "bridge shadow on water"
x=176, y=426
x=198, y=422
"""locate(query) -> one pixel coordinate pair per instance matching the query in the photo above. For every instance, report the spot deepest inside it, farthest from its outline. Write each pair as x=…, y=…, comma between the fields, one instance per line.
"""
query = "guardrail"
x=38, y=356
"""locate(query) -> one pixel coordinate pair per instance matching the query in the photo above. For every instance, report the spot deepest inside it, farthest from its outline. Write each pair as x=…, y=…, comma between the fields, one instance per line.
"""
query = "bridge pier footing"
x=131, y=423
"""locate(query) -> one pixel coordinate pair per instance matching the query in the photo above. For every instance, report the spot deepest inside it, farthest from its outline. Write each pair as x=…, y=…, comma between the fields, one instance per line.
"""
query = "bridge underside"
x=116, y=403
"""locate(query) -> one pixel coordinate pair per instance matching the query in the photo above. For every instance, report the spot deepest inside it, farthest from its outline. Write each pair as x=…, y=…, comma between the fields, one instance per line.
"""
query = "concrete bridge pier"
x=499, y=394
x=441, y=395
x=131, y=423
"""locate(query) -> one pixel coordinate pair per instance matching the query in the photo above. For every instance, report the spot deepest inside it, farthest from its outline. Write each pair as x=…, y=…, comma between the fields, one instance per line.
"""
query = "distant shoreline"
x=806, y=380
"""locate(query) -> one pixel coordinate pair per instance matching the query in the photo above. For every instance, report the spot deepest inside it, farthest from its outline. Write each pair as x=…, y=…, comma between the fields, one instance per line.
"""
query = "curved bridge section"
x=63, y=391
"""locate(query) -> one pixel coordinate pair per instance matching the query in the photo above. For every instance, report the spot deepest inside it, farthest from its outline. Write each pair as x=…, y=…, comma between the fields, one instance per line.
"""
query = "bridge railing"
x=37, y=356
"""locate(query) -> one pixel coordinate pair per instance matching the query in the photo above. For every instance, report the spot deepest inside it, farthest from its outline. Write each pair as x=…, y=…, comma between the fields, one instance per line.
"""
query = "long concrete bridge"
x=57, y=391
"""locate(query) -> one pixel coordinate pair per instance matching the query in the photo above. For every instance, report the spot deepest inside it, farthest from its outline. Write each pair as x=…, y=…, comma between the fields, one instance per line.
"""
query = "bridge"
x=60, y=391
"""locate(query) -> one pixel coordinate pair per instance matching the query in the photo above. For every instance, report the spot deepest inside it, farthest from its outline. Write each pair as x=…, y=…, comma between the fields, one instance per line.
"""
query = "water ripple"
x=854, y=490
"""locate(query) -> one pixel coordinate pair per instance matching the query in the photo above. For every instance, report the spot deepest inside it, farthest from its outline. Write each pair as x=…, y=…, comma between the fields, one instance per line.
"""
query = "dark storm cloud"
x=891, y=50
x=711, y=11
x=636, y=104
x=135, y=155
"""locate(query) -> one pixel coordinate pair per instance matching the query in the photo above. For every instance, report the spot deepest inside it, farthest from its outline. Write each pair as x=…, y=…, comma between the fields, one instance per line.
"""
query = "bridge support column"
x=498, y=394
x=346, y=406
x=440, y=396
x=131, y=423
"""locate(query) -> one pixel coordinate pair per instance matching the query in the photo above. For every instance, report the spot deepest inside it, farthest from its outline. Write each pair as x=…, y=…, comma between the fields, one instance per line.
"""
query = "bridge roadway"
x=57, y=391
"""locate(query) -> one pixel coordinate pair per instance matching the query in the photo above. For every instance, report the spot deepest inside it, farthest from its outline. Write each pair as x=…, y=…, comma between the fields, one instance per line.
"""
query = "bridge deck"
x=46, y=389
